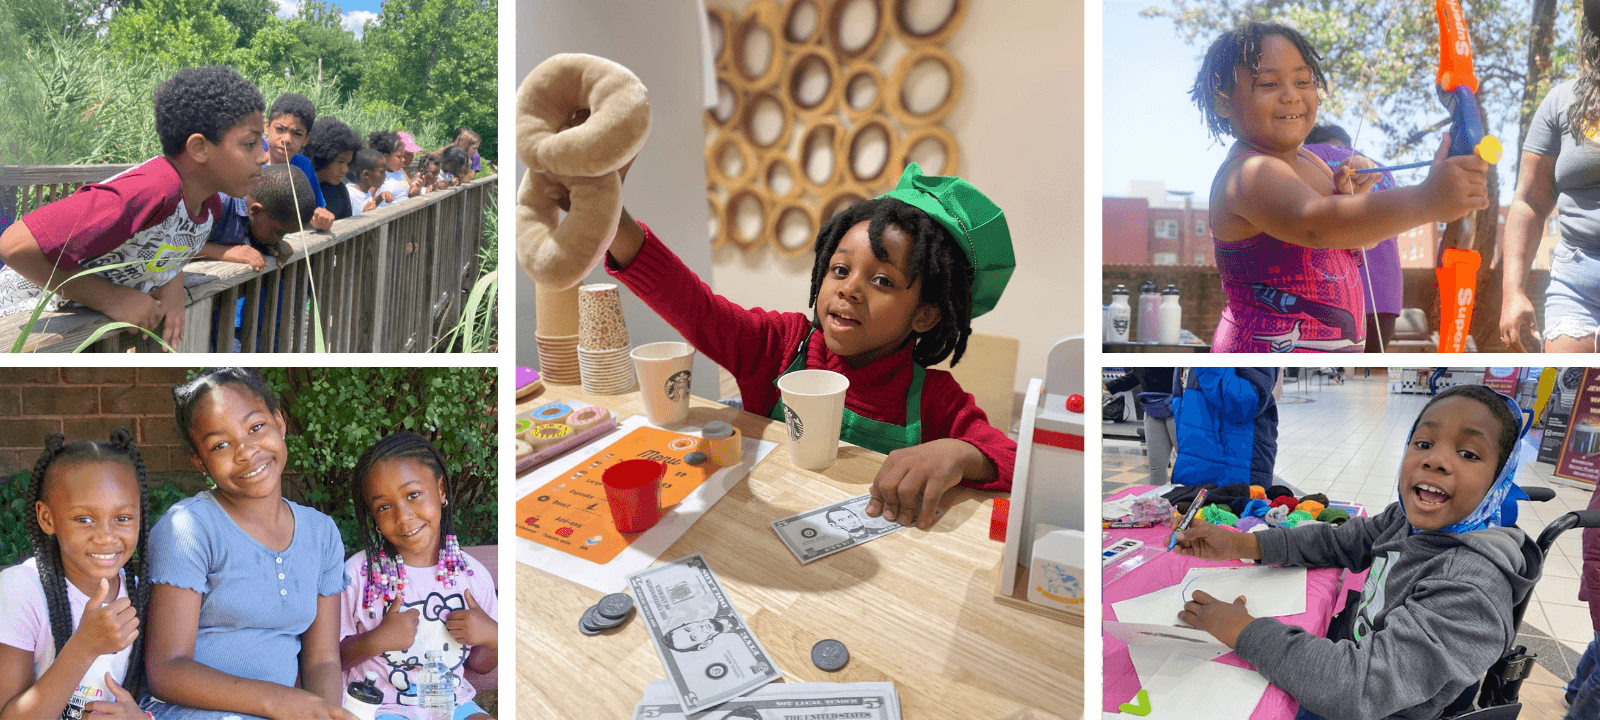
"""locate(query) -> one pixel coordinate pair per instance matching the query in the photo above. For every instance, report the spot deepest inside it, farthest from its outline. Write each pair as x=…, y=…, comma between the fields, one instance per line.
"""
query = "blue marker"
x=1194, y=509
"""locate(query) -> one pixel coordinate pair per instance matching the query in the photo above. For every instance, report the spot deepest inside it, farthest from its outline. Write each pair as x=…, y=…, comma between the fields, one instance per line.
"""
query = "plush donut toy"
x=580, y=119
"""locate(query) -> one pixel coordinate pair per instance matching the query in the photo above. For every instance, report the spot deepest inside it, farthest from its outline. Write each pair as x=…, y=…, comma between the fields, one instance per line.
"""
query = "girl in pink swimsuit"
x=1287, y=230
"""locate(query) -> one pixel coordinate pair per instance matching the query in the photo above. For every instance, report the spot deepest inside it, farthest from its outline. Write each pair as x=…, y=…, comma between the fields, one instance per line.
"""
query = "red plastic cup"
x=633, y=489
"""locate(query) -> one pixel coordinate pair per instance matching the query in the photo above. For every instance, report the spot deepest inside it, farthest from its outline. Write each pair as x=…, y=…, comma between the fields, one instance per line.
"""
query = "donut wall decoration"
x=815, y=112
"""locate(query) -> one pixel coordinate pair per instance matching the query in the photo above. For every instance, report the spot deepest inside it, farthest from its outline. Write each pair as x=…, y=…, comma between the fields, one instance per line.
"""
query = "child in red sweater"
x=896, y=284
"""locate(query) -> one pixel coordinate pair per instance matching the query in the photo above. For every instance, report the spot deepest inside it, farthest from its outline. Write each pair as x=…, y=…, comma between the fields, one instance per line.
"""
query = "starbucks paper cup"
x=664, y=370
x=813, y=408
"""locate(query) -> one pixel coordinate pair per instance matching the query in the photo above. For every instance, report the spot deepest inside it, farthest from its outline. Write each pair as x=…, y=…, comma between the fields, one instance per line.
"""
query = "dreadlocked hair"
x=188, y=395
x=936, y=260
x=1510, y=425
x=386, y=572
x=1583, y=118
x=1241, y=47
x=47, y=549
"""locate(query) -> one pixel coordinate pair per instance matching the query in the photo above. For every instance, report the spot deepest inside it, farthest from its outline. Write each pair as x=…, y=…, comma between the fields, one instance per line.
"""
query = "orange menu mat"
x=570, y=512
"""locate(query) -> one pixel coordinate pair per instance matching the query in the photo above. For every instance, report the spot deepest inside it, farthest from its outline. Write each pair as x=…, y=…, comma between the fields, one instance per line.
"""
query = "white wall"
x=660, y=42
x=1019, y=124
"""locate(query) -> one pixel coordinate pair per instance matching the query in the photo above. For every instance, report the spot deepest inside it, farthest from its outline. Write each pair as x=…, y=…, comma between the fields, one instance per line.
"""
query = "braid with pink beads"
x=386, y=570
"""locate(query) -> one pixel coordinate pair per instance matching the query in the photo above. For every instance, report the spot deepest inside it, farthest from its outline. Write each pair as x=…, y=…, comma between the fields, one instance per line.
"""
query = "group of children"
x=236, y=603
x=233, y=179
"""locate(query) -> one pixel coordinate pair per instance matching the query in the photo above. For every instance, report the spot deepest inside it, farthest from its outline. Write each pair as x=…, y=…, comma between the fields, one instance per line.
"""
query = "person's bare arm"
x=319, y=653
x=1267, y=193
x=1535, y=198
x=21, y=252
x=176, y=677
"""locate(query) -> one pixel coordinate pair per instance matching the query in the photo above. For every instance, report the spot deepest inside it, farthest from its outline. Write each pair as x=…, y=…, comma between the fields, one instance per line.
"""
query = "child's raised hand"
x=107, y=627
x=1224, y=620
x=322, y=218
x=923, y=471
x=398, y=629
x=121, y=707
x=1456, y=185
x=472, y=626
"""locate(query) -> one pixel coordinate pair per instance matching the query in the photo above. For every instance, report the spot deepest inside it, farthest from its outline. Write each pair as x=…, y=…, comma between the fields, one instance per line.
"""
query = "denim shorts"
x=463, y=711
x=168, y=711
x=1572, y=303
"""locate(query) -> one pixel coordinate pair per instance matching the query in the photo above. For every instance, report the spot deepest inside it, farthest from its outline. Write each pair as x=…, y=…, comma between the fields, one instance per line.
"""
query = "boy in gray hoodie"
x=1445, y=573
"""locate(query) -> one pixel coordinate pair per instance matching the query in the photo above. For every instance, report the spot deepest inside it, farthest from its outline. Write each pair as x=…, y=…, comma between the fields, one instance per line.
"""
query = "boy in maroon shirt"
x=896, y=284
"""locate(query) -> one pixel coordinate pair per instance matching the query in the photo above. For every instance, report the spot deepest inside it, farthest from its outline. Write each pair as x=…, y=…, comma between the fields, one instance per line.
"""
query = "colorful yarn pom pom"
x=1218, y=515
x=1316, y=497
x=1275, y=516
x=1278, y=491
x=1255, y=508
x=1334, y=516
x=1248, y=524
x=1287, y=501
x=1295, y=518
x=1311, y=506
x=1238, y=504
x=1257, y=492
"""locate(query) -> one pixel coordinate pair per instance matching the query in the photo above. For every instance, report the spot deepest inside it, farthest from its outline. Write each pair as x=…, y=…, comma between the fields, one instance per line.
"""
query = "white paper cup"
x=813, y=403
x=665, y=369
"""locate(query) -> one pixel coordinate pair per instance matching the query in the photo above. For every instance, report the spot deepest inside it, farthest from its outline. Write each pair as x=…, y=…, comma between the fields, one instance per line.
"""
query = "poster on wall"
x=1580, y=452
x=1554, y=429
x=1502, y=380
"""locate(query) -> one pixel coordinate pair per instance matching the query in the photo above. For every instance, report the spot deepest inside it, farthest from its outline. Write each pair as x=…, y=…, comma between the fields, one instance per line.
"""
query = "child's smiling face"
x=92, y=507
x=406, y=501
x=1276, y=109
x=868, y=307
x=1450, y=464
x=286, y=135
x=239, y=443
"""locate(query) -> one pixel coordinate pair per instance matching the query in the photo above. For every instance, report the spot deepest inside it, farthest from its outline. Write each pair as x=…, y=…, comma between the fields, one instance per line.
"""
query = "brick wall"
x=87, y=403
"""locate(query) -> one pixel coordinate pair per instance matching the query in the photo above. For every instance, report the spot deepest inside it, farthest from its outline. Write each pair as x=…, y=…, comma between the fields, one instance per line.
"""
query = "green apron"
x=865, y=432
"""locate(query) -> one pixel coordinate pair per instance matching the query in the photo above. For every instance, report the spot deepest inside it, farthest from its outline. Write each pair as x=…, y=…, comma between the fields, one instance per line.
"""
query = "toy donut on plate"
x=524, y=448
x=543, y=436
x=556, y=412
x=523, y=426
x=584, y=418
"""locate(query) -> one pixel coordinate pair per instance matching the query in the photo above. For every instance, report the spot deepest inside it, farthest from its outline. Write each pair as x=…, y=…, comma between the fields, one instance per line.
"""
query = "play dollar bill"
x=831, y=528
x=708, y=651
x=782, y=701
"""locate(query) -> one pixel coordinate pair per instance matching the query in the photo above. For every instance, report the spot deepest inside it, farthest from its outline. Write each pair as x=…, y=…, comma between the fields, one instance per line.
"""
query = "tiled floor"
x=1346, y=441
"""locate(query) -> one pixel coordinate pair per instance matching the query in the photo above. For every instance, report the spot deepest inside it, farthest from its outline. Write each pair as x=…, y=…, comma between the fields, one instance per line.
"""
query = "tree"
x=180, y=33
x=1381, y=56
x=311, y=42
x=247, y=15
x=436, y=60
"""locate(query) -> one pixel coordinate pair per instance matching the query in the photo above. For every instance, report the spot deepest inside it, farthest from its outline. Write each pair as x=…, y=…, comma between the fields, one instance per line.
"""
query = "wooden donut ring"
x=812, y=216
x=747, y=167
x=952, y=152
x=838, y=200
x=714, y=208
x=952, y=22
x=802, y=61
x=722, y=20
x=886, y=172
x=730, y=218
x=820, y=6
x=847, y=77
x=895, y=101
x=836, y=143
x=747, y=120
x=762, y=14
x=773, y=159
x=618, y=123
x=725, y=82
x=835, y=25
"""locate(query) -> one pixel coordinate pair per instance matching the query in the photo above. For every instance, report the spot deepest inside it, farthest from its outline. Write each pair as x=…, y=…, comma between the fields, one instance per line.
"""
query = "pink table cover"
x=1122, y=682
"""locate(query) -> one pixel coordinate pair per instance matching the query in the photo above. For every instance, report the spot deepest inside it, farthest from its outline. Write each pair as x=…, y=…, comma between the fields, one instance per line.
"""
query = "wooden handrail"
x=385, y=281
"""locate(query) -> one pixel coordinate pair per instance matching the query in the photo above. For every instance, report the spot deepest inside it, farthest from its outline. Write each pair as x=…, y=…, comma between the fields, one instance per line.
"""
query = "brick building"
x=1155, y=226
x=87, y=403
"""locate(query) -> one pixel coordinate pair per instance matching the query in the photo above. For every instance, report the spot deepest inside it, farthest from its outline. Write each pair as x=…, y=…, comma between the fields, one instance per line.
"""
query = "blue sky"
x=1153, y=132
x=355, y=11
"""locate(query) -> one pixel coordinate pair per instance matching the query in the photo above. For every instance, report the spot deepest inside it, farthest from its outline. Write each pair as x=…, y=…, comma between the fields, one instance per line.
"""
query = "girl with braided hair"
x=414, y=590
x=896, y=282
x=245, y=584
x=70, y=615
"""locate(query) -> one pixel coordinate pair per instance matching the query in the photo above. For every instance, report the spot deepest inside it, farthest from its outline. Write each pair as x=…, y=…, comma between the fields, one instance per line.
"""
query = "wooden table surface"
x=916, y=607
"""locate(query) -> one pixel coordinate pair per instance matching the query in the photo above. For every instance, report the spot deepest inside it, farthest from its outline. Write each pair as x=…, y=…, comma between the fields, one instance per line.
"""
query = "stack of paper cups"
x=556, y=331
x=603, y=349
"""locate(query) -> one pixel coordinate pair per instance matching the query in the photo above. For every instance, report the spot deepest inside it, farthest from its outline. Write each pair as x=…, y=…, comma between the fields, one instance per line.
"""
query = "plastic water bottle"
x=363, y=698
x=1149, y=312
x=1171, y=316
x=1120, y=313
x=436, y=692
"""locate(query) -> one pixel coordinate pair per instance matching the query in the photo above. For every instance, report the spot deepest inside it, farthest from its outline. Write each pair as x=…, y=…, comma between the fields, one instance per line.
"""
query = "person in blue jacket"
x=1227, y=426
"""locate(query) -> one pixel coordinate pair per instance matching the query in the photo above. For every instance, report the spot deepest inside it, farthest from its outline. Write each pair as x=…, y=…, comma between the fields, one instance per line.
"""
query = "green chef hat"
x=976, y=223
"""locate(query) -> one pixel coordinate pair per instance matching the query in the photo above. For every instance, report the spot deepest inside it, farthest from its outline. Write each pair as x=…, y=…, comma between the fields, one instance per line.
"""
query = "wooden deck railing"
x=391, y=280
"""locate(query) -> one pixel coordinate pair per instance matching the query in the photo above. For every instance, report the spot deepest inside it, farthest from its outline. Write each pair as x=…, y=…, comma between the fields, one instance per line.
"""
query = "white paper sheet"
x=1166, y=637
x=1185, y=687
x=613, y=576
x=1268, y=592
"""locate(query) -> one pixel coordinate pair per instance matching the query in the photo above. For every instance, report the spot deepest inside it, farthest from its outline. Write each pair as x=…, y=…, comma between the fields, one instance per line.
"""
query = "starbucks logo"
x=796, y=428
x=677, y=387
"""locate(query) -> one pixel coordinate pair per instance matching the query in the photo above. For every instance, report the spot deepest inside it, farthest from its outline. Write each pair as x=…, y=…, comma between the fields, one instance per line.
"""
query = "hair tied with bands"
x=54, y=442
x=122, y=438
